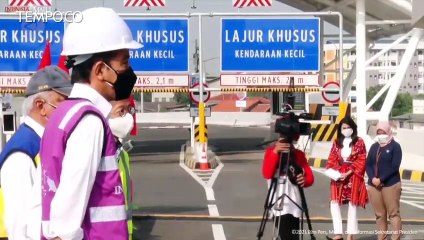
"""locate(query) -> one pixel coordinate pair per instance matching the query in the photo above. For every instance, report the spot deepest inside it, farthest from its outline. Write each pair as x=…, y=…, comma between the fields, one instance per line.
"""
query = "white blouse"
x=346, y=150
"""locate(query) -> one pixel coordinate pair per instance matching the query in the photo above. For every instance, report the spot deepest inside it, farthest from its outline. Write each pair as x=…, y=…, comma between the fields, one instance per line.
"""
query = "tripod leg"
x=305, y=209
x=276, y=231
x=267, y=207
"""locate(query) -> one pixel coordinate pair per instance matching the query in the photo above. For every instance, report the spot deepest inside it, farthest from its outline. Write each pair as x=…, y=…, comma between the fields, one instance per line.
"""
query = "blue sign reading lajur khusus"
x=22, y=44
x=270, y=45
x=165, y=45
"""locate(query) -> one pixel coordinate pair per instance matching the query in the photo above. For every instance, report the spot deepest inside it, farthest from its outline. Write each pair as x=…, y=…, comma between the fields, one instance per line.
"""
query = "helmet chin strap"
x=81, y=58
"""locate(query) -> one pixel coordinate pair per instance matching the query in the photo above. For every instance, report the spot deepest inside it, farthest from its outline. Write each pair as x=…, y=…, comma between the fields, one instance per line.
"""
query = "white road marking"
x=217, y=229
x=191, y=173
x=218, y=232
x=213, y=210
x=413, y=203
x=210, y=195
x=215, y=172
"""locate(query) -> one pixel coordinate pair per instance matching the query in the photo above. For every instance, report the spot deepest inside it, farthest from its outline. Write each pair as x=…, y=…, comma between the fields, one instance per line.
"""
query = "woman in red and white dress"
x=348, y=156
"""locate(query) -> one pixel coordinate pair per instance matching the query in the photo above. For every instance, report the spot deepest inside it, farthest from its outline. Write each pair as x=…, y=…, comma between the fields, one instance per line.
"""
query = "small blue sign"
x=270, y=45
x=22, y=44
x=165, y=45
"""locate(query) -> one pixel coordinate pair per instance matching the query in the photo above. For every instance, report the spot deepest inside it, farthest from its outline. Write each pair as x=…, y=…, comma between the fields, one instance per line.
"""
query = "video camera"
x=288, y=124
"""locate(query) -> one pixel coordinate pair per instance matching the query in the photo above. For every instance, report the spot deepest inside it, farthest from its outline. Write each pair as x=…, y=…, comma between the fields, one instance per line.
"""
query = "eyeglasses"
x=51, y=104
x=111, y=68
x=123, y=111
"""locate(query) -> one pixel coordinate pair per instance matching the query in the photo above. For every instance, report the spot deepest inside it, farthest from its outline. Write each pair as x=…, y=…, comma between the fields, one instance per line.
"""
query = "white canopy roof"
x=377, y=10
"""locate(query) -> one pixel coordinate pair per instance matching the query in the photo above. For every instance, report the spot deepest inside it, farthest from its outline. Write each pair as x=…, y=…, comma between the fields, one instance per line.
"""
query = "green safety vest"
x=124, y=171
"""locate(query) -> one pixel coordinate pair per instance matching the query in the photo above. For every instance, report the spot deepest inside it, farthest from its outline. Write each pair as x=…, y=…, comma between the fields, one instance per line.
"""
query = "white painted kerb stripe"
x=108, y=163
x=213, y=210
x=210, y=196
x=108, y=214
x=218, y=232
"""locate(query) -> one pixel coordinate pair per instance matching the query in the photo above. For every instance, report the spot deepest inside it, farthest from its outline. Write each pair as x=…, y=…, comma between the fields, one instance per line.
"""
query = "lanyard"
x=376, y=172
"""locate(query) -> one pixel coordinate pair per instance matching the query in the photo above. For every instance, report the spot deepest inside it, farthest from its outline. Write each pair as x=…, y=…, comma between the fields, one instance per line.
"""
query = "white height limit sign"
x=269, y=79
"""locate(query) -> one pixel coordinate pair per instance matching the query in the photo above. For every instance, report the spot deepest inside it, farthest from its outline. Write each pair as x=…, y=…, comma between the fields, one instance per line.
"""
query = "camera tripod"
x=289, y=170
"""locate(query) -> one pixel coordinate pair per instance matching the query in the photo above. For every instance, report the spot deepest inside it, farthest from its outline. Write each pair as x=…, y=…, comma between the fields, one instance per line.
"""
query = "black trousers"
x=289, y=227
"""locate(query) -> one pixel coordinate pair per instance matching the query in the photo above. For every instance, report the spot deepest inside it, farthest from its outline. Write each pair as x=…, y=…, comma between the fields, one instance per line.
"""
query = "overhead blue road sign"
x=270, y=45
x=22, y=44
x=165, y=45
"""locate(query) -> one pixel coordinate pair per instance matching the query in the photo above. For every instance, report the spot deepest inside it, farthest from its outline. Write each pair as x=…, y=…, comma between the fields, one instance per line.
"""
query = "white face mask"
x=382, y=138
x=347, y=132
x=121, y=126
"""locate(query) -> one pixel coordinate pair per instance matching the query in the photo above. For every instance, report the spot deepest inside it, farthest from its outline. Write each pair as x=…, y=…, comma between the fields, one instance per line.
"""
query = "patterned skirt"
x=344, y=188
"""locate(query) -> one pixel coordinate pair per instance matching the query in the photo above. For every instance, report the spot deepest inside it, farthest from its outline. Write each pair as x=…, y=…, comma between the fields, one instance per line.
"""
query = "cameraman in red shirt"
x=287, y=218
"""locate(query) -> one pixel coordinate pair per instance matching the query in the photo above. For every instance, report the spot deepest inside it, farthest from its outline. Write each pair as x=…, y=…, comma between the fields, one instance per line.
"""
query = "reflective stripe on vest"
x=107, y=214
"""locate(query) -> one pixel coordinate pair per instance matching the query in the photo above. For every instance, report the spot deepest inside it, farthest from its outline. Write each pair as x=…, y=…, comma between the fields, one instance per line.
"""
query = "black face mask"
x=124, y=83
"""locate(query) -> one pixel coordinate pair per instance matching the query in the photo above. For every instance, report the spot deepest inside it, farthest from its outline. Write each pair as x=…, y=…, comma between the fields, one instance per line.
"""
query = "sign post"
x=203, y=154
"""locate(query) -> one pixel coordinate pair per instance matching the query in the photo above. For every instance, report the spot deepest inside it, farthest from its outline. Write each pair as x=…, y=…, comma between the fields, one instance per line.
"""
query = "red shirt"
x=271, y=161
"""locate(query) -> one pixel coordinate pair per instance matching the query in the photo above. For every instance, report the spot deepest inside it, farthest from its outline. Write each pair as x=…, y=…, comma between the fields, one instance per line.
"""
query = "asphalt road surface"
x=171, y=204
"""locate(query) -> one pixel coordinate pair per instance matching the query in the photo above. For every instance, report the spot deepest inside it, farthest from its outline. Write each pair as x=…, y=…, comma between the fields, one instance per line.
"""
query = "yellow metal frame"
x=186, y=90
x=19, y=91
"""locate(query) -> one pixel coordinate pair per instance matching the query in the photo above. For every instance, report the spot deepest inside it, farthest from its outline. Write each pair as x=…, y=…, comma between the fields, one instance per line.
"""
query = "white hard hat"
x=100, y=30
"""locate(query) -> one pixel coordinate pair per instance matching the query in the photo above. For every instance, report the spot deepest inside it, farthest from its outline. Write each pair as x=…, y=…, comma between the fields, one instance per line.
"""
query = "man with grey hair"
x=19, y=159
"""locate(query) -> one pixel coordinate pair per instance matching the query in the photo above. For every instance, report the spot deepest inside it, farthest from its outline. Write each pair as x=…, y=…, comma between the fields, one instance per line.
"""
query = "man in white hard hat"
x=82, y=194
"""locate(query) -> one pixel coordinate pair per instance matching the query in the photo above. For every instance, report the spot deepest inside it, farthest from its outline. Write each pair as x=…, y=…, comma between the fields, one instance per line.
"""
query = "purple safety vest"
x=105, y=216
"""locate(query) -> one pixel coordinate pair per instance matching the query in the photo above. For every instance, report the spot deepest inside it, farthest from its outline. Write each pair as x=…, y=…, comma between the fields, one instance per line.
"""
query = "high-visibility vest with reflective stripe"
x=105, y=216
x=124, y=171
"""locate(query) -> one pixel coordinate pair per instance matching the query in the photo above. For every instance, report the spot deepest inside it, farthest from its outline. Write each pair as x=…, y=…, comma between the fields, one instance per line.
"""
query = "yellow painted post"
x=342, y=111
x=202, y=122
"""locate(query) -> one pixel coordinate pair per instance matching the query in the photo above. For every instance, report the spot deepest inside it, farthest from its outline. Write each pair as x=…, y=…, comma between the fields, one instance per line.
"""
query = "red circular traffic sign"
x=195, y=96
x=241, y=96
x=331, y=97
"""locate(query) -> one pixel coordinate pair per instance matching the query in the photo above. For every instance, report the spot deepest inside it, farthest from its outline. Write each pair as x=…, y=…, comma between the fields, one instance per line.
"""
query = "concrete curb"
x=200, y=217
x=405, y=174
x=190, y=160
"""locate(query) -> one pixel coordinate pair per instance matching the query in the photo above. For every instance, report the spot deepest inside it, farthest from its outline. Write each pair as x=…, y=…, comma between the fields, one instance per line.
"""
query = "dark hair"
x=81, y=72
x=340, y=137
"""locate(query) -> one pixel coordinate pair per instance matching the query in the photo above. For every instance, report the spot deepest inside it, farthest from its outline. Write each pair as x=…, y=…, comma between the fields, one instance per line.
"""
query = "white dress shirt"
x=17, y=178
x=79, y=168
